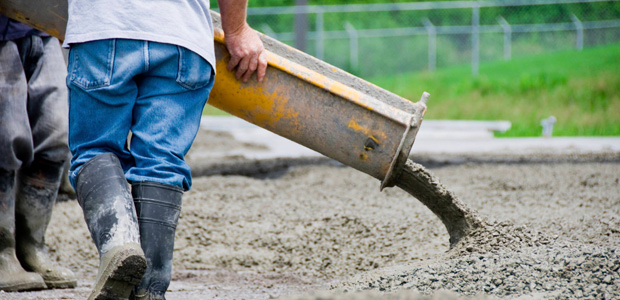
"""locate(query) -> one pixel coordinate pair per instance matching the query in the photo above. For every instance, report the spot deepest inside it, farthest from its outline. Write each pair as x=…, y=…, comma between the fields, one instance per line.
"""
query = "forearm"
x=233, y=14
x=243, y=43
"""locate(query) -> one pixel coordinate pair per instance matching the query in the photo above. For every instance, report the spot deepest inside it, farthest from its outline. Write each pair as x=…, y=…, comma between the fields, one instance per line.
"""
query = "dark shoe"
x=13, y=277
x=158, y=207
x=103, y=194
x=37, y=189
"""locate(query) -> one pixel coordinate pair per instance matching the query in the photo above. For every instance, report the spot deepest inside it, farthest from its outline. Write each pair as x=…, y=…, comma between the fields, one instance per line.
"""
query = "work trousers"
x=33, y=102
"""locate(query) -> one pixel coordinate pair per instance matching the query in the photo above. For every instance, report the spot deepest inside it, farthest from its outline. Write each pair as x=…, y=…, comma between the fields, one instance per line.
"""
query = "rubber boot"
x=158, y=206
x=36, y=196
x=103, y=194
x=13, y=277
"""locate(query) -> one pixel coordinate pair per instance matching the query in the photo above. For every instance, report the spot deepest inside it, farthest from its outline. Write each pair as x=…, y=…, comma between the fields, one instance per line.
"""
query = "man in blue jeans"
x=33, y=148
x=144, y=68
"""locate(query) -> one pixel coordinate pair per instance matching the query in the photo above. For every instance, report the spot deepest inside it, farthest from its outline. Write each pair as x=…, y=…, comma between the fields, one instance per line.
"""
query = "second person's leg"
x=38, y=181
x=16, y=149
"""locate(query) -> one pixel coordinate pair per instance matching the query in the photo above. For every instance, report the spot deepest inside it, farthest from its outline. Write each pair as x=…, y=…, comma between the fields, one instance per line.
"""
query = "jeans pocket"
x=194, y=71
x=91, y=63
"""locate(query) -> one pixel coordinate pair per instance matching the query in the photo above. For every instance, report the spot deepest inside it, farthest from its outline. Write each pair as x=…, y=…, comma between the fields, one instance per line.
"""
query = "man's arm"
x=243, y=43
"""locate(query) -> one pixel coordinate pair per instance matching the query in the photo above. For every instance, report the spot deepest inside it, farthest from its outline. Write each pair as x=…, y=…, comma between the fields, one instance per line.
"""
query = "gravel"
x=558, y=272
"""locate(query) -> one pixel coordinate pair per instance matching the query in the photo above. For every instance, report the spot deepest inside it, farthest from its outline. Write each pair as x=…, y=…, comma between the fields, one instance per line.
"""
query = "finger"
x=253, y=63
x=242, y=67
x=233, y=62
x=262, y=66
x=251, y=68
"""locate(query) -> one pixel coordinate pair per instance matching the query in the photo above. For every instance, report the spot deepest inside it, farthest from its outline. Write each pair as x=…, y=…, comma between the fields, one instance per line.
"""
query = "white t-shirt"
x=185, y=23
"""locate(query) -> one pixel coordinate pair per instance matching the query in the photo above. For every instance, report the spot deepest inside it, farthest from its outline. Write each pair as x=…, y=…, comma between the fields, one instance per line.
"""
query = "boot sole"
x=61, y=284
x=30, y=286
x=123, y=271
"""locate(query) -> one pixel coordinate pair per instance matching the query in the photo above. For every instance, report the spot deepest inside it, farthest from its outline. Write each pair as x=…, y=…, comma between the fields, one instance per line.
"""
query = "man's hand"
x=247, y=53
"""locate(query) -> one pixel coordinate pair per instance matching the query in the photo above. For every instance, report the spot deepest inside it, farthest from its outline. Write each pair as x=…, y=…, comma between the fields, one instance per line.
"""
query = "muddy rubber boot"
x=103, y=194
x=36, y=196
x=158, y=207
x=13, y=277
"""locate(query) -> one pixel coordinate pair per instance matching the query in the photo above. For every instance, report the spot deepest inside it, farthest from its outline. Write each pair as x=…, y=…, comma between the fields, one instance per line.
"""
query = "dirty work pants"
x=155, y=91
x=33, y=102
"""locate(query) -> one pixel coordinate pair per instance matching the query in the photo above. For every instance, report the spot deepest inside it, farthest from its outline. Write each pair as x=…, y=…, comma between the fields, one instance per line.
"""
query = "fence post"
x=432, y=44
x=579, y=30
x=475, y=38
x=353, y=46
x=268, y=31
x=301, y=24
x=507, y=37
x=319, y=35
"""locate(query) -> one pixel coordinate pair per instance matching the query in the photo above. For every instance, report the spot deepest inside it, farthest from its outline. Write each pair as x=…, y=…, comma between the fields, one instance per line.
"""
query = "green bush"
x=580, y=88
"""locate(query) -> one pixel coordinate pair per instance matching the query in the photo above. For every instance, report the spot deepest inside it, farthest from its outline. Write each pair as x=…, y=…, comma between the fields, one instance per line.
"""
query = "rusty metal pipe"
x=48, y=16
x=302, y=99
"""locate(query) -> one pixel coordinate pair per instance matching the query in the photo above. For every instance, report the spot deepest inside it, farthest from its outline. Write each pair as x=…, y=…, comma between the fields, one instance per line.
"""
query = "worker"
x=33, y=148
x=147, y=69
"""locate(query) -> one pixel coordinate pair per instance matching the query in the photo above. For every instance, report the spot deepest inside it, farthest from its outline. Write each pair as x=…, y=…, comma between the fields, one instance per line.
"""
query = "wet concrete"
x=552, y=231
x=459, y=219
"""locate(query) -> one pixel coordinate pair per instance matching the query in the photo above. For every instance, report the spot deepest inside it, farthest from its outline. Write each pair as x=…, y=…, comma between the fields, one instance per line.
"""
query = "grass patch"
x=212, y=111
x=580, y=88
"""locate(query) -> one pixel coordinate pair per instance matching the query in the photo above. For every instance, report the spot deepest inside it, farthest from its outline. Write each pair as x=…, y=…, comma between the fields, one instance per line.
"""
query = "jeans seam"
x=73, y=59
x=111, y=62
x=146, y=56
x=180, y=71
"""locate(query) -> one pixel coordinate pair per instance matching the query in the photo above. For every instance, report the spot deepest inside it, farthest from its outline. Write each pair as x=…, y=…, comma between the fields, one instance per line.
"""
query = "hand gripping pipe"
x=301, y=98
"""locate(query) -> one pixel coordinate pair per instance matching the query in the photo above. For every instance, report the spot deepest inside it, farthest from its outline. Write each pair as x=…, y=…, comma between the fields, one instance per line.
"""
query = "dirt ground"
x=319, y=230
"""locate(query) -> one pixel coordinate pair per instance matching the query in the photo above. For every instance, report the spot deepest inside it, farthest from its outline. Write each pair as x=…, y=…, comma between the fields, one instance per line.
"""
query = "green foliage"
x=410, y=52
x=540, y=81
x=581, y=89
x=268, y=3
x=488, y=15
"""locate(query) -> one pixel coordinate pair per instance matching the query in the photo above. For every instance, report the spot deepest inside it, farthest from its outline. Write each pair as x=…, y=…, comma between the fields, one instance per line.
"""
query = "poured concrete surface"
x=328, y=228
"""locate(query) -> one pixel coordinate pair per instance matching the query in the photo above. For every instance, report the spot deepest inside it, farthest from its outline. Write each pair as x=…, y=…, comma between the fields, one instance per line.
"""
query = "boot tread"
x=122, y=273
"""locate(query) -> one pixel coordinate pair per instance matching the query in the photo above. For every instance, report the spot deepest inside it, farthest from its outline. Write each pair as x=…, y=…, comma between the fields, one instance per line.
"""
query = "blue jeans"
x=33, y=103
x=157, y=91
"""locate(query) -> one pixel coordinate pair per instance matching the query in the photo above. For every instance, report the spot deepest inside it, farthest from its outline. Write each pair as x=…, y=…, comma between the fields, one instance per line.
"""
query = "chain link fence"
x=379, y=39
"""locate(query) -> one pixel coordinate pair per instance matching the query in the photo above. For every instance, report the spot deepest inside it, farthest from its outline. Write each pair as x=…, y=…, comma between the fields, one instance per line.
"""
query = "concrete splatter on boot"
x=103, y=194
x=36, y=196
x=158, y=207
x=12, y=275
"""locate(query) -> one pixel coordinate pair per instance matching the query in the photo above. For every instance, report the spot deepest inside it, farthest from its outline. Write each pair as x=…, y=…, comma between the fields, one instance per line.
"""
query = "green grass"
x=212, y=111
x=580, y=88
